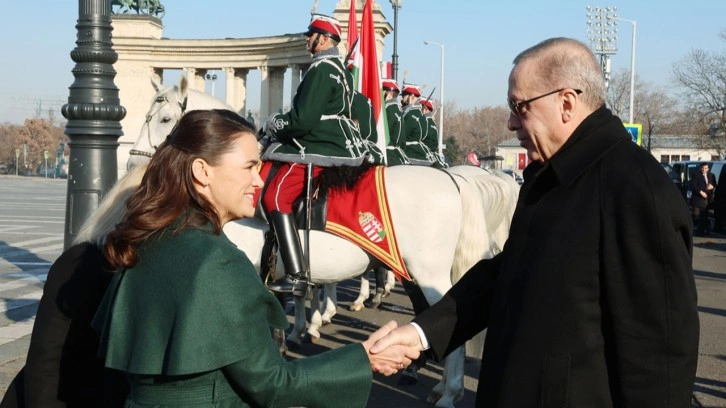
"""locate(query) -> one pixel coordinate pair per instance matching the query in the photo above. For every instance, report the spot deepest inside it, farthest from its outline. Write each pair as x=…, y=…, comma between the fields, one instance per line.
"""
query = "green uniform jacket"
x=414, y=126
x=190, y=325
x=362, y=113
x=432, y=141
x=396, y=142
x=319, y=129
x=431, y=135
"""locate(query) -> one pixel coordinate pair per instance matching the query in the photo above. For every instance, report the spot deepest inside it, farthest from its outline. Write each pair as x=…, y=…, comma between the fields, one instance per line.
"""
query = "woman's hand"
x=393, y=358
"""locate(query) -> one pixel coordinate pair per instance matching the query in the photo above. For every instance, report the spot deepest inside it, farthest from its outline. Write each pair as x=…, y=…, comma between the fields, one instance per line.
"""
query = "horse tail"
x=472, y=236
x=487, y=204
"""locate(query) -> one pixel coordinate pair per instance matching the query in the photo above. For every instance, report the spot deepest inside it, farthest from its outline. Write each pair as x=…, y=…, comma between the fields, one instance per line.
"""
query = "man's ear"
x=570, y=101
x=201, y=170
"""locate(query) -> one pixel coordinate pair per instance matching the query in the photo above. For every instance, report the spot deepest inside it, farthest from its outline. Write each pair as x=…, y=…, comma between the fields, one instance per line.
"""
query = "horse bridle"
x=149, y=115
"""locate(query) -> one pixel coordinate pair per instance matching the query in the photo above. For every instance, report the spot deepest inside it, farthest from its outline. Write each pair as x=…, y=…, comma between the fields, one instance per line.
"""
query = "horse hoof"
x=433, y=398
x=443, y=403
x=313, y=339
x=356, y=307
x=374, y=305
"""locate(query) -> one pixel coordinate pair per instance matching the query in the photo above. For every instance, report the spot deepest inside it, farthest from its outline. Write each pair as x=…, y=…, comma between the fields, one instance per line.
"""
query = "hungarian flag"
x=366, y=69
x=355, y=59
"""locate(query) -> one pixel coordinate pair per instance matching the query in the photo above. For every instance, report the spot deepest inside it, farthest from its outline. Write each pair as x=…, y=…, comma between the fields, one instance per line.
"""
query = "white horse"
x=444, y=222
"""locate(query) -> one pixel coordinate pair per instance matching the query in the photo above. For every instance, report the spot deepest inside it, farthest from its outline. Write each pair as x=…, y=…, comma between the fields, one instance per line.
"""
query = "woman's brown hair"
x=167, y=193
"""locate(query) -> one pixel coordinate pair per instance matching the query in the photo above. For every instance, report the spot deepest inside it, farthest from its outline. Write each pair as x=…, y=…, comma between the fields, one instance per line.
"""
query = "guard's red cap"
x=390, y=85
x=411, y=89
x=325, y=25
x=427, y=103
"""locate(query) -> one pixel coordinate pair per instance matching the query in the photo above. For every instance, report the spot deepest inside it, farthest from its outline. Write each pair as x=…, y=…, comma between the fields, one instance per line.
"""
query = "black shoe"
x=297, y=286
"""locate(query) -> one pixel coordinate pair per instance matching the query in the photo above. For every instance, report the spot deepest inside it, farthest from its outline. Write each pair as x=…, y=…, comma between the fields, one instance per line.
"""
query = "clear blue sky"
x=481, y=38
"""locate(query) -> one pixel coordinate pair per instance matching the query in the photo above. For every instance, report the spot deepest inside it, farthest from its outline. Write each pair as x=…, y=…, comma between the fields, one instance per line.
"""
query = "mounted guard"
x=396, y=144
x=431, y=134
x=413, y=125
x=318, y=130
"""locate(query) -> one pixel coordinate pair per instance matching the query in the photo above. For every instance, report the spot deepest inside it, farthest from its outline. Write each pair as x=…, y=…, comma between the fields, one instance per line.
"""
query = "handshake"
x=392, y=348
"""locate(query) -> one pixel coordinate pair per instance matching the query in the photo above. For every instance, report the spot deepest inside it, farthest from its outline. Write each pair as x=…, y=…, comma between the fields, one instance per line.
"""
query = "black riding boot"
x=288, y=242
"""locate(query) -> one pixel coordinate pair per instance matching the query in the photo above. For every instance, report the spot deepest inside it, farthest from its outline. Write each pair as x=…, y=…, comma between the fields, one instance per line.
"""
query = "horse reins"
x=149, y=115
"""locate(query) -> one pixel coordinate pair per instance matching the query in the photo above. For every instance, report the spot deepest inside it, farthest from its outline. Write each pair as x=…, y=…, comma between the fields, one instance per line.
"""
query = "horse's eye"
x=165, y=119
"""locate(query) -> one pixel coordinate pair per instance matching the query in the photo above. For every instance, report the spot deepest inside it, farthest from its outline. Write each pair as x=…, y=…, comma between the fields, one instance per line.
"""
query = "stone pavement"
x=709, y=268
x=710, y=387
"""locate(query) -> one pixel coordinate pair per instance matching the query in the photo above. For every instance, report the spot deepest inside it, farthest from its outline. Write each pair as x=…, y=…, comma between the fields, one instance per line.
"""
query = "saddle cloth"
x=360, y=215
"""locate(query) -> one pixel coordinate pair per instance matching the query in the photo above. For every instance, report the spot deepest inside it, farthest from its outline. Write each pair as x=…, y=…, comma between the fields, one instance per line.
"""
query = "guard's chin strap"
x=315, y=43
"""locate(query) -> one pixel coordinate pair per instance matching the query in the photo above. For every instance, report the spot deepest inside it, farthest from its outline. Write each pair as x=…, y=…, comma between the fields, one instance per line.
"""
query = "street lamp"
x=394, y=59
x=632, y=67
x=603, y=36
x=212, y=77
x=441, y=95
x=94, y=114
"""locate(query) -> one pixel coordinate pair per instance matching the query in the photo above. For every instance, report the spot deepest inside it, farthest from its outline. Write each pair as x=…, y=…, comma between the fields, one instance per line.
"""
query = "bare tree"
x=701, y=75
x=619, y=92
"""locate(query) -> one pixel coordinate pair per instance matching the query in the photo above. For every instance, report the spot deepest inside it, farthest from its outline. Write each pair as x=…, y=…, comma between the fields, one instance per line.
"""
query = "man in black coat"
x=592, y=302
x=702, y=188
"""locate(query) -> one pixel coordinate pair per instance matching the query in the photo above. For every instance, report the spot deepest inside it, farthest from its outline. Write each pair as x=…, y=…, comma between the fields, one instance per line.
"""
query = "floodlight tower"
x=602, y=32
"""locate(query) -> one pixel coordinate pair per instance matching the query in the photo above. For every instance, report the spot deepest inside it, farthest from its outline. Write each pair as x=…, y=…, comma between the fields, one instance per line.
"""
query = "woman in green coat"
x=186, y=317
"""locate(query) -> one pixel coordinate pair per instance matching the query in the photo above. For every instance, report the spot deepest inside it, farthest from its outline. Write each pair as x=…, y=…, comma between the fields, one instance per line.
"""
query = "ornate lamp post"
x=394, y=59
x=441, y=94
x=94, y=113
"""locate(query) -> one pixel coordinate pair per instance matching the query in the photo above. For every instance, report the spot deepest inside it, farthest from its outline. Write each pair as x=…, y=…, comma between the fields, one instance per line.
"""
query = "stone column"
x=236, y=89
x=264, y=93
x=296, y=76
x=195, y=77
x=276, y=80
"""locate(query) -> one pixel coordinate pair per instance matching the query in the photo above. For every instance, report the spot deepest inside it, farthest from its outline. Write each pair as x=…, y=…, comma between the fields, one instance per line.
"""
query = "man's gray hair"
x=567, y=63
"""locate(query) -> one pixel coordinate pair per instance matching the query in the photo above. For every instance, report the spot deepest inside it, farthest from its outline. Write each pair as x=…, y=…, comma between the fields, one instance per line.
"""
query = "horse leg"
x=316, y=319
x=451, y=387
x=381, y=274
x=419, y=303
x=330, y=302
x=363, y=293
x=298, y=327
x=279, y=334
x=390, y=283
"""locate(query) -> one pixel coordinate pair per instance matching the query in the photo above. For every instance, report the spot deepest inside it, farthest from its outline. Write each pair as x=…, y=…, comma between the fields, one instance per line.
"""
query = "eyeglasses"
x=517, y=108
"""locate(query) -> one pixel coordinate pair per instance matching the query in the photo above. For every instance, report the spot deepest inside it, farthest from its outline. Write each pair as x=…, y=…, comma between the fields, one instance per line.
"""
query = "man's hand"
x=392, y=358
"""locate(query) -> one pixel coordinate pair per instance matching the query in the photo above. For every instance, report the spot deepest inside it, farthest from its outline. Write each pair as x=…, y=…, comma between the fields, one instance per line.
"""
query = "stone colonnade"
x=143, y=54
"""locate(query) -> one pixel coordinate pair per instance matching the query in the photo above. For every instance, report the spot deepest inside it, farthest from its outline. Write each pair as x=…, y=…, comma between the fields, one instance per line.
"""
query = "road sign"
x=636, y=132
x=45, y=154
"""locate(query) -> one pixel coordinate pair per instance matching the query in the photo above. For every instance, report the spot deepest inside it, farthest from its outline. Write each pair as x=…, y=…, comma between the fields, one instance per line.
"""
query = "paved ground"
x=31, y=238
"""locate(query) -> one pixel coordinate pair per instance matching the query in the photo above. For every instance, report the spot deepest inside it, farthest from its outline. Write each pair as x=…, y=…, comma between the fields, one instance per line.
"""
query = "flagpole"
x=441, y=94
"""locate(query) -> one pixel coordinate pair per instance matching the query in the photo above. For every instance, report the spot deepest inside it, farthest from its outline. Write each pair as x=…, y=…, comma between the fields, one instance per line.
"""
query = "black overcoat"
x=592, y=302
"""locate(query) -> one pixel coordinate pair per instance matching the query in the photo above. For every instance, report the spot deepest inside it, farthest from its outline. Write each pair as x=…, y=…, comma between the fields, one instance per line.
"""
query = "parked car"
x=515, y=175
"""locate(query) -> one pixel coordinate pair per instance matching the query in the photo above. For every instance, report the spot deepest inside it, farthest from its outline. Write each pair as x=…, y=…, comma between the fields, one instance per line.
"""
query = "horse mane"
x=341, y=177
x=498, y=193
x=111, y=210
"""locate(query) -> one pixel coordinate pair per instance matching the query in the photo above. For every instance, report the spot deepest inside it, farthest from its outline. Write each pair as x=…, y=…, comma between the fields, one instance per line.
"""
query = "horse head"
x=167, y=107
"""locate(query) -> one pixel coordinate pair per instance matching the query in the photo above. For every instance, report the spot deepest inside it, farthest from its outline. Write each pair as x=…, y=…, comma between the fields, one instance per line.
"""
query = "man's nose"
x=513, y=122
